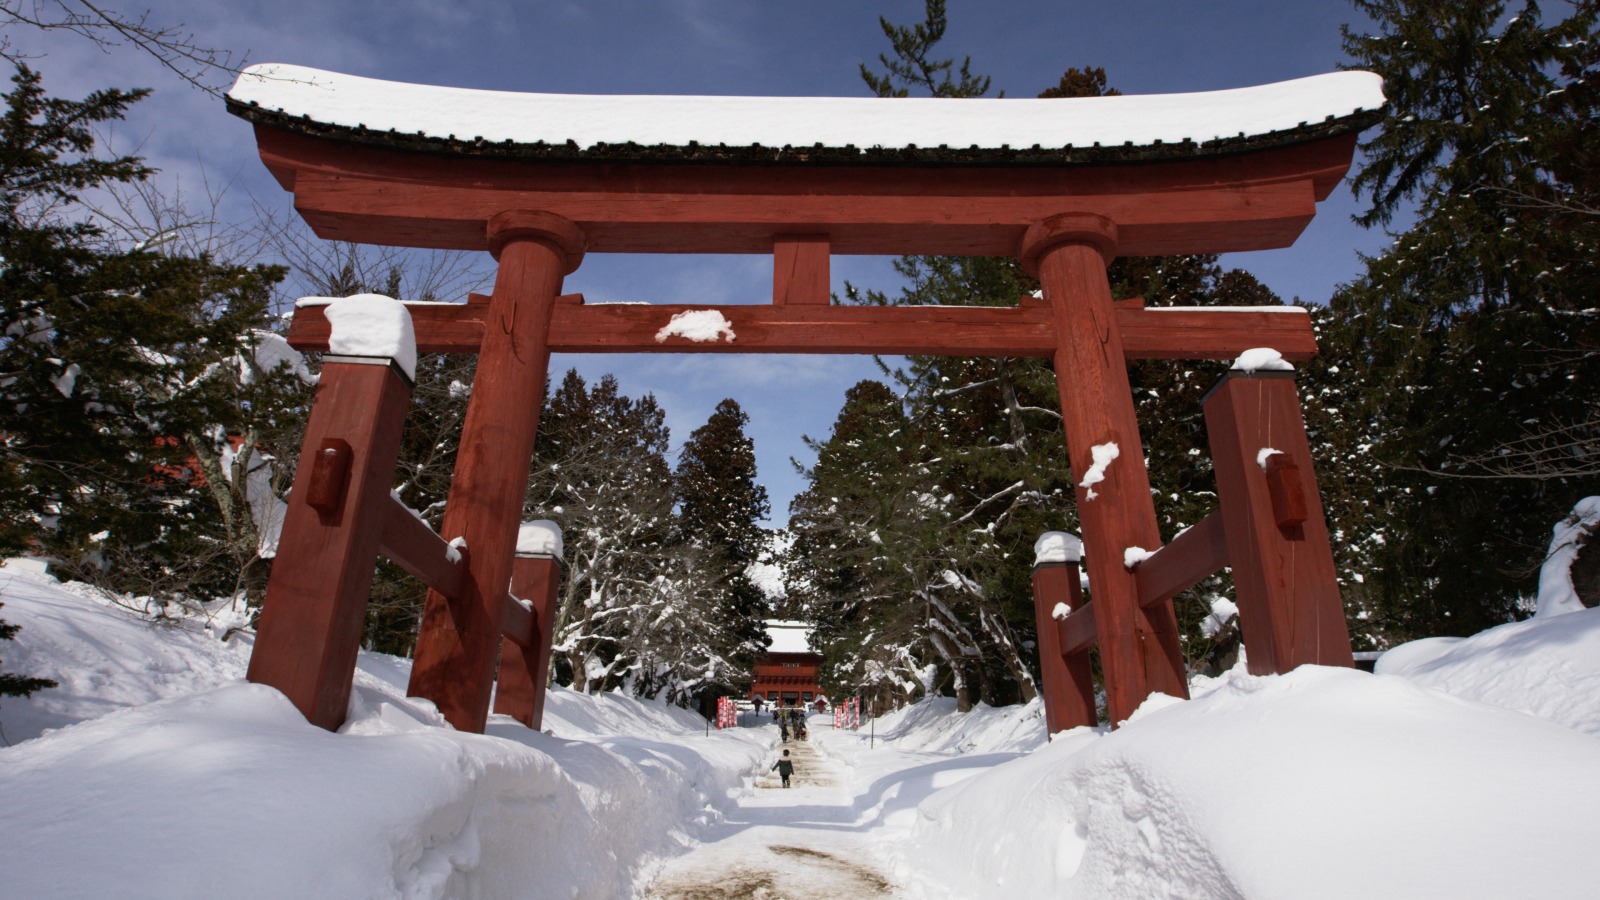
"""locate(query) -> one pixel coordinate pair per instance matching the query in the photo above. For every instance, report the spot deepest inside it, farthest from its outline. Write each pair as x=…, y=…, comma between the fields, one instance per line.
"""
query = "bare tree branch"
x=173, y=46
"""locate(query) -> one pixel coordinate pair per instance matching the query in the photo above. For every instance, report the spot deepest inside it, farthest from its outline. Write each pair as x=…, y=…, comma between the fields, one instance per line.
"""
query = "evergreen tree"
x=720, y=507
x=842, y=566
x=600, y=471
x=108, y=365
x=1473, y=337
x=12, y=685
x=985, y=457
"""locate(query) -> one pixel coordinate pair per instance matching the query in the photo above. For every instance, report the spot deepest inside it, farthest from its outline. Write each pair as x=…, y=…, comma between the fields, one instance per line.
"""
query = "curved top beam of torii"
x=803, y=178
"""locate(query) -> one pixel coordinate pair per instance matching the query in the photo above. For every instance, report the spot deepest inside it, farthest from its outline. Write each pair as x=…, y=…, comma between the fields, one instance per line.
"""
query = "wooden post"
x=800, y=270
x=524, y=668
x=457, y=644
x=1139, y=651
x=1067, y=681
x=316, y=603
x=1290, y=612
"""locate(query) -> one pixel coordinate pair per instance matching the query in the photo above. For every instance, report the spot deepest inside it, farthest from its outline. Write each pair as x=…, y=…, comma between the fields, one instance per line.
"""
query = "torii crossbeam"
x=1063, y=185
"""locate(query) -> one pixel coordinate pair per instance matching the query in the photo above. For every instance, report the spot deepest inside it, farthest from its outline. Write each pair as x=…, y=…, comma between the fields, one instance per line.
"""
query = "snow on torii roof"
x=805, y=129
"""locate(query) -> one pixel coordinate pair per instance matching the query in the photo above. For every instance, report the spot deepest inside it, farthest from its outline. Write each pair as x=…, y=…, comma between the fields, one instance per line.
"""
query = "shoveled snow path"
x=799, y=843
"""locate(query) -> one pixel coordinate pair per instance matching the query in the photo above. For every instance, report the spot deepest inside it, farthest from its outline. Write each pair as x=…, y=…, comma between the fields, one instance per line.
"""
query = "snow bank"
x=396, y=805
x=1548, y=667
x=103, y=657
x=1321, y=783
x=588, y=120
x=934, y=726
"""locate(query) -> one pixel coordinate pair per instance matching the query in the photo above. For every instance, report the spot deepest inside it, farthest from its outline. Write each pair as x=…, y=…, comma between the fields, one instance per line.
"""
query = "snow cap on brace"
x=541, y=537
x=373, y=325
x=1262, y=359
x=1057, y=547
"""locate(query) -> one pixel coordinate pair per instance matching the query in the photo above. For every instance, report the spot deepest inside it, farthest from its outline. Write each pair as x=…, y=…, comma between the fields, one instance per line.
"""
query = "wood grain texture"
x=1067, y=682
x=524, y=668
x=1077, y=631
x=800, y=270
x=1324, y=160
x=409, y=543
x=1195, y=554
x=457, y=644
x=520, y=624
x=315, y=608
x=637, y=220
x=1139, y=650
x=1024, y=330
x=1250, y=200
x=1290, y=611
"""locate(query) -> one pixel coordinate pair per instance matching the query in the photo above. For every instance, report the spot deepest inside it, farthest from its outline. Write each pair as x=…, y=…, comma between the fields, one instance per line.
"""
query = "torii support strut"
x=1269, y=528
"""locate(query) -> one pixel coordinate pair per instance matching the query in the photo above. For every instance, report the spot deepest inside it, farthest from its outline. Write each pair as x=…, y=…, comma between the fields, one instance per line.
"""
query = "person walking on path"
x=785, y=768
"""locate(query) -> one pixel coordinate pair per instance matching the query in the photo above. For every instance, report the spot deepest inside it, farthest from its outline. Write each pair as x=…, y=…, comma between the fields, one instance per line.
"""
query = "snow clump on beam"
x=1261, y=359
x=590, y=121
x=541, y=537
x=372, y=325
x=1057, y=547
x=698, y=325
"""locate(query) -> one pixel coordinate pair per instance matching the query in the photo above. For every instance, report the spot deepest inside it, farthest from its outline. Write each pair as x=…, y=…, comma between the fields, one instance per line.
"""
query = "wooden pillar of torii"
x=542, y=195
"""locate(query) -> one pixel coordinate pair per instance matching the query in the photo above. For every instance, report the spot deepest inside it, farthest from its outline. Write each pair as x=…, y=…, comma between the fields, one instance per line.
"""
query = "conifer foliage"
x=913, y=544
x=646, y=600
x=720, y=508
x=1452, y=410
x=117, y=360
x=1473, y=339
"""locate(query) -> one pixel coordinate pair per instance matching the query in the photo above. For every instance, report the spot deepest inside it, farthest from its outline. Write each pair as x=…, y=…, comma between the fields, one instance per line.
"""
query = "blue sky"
x=753, y=47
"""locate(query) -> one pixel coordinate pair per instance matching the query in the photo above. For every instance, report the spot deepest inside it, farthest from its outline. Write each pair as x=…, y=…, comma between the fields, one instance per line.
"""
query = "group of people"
x=791, y=720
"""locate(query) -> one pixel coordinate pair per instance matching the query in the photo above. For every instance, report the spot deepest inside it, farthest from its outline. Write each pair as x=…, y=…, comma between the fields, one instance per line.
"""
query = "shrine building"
x=789, y=673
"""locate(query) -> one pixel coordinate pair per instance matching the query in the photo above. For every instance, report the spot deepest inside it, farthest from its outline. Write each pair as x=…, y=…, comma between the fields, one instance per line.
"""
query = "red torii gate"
x=544, y=179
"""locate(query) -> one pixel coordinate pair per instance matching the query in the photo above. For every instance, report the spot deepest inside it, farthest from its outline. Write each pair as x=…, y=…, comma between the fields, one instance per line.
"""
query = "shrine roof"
x=805, y=130
x=789, y=637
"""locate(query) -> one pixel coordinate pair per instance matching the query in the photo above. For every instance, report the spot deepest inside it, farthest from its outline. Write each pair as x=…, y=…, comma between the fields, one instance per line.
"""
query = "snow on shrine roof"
x=804, y=129
x=788, y=637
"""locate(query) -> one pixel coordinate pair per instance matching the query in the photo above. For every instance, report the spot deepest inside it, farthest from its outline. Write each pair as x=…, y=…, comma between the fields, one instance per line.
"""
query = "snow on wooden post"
x=316, y=603
x=1067, y=683
x=456, y=648
x=525, y=664
x=1139, y=648
x=1290, y=611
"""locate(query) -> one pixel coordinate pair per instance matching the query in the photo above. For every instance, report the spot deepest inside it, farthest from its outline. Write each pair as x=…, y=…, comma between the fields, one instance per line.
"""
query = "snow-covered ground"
x=1465, y=768
x=181, y=780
